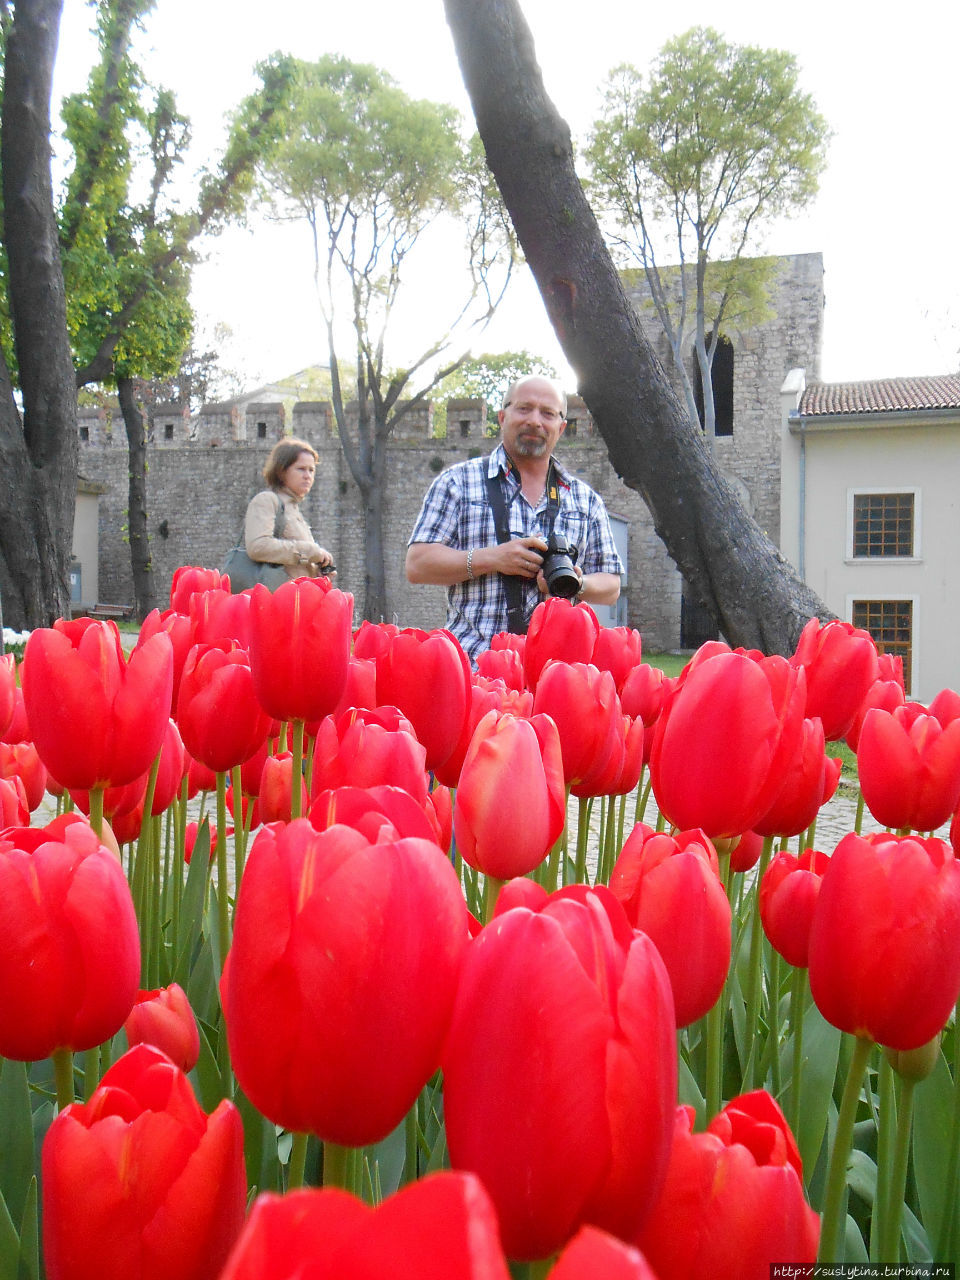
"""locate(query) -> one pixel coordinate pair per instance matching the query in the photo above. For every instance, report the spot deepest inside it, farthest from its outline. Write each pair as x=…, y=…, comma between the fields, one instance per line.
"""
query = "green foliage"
x=486, y=377
x=688, y=163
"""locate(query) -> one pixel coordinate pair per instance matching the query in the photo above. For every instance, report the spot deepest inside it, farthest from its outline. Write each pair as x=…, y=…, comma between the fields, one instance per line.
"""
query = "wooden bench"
x=101, y=610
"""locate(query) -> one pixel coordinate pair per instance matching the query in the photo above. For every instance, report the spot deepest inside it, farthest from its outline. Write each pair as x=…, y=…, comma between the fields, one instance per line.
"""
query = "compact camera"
x=558, y=562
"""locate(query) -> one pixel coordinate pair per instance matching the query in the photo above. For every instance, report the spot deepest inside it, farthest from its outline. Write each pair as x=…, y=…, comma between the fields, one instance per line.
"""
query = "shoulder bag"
x=245, y=573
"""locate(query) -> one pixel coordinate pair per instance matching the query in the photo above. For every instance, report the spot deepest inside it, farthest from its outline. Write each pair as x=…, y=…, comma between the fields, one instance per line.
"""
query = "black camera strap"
x=513, y=583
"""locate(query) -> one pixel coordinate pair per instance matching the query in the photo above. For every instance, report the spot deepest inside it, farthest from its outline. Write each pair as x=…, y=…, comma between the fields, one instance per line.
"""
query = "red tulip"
x=190, y=580
x=164, y=1019
x=17, y=729
x=945, y=706
x=180, y=630
x=138, y=1182
x=558, y=629
x=486, y=694
x=190, y=838
x=502, y=664
x=745, y=854
x=427, y=675
x=220, y=719
x=219, y=617
x=617, y=650
x=360, y=686
x=96, y=719
x=356, y=751
x=662, y=880
x=582, y=702
x=513, y=769
x=788, y=896
x=733, y=1204
x=909, y=768
x=341, y=978
x=276, y=789
x=8, y=690
x=885, y=941
x=841, y=664
x=808, y=785
x=372, y=639
x=14, y=811
x=885, y=694
x=66, y=981
x=21, y=760
x=592, y=1254
x=380, y=813
x=560, y=1070
x=643, y=692
x=723, y=743
x=441, y=1228
x=300, y=647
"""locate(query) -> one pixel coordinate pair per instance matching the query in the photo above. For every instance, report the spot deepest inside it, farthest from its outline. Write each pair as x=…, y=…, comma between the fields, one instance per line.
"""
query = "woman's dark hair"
x=284, y=454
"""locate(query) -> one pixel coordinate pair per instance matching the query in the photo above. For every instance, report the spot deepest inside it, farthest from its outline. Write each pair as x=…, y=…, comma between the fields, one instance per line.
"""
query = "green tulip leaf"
x=29, y=1267
x=689, y=1093
x=855, y=1251
x=16, y=1136
x=386, y=1159
x=933, y=1102
x=9, y=1242
x=821, y=1051
x=862, y=1176
x=191, y=907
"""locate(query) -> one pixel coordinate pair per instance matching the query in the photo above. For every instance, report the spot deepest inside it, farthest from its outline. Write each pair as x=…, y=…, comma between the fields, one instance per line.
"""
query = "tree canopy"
x=371, y=170
x=688, y=164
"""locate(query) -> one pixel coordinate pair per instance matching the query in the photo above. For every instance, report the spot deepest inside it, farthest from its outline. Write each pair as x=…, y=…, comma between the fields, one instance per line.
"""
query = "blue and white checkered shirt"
x=456, y=512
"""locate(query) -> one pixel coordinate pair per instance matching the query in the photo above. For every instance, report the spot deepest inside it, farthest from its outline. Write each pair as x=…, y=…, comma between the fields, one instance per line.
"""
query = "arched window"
x=722, y=379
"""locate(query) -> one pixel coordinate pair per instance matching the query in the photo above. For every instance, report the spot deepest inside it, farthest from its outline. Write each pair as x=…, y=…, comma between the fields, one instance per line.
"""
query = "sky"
x=885, y=219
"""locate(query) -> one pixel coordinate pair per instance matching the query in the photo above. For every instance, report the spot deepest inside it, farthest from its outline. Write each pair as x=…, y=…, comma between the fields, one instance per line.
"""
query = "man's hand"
x=521, y=557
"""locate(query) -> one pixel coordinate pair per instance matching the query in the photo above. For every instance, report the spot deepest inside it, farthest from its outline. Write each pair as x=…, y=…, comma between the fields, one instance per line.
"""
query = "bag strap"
x=280, y=519
x=516, y=623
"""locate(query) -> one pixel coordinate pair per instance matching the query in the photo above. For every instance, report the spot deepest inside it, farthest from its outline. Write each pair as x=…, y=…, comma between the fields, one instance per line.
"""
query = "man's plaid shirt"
x=457, y=513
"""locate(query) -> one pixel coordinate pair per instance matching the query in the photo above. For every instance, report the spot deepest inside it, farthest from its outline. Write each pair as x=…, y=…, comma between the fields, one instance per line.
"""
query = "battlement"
x=232, y=423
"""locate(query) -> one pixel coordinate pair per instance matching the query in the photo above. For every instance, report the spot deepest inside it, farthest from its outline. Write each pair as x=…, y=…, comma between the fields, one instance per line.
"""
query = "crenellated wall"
x=202, y=471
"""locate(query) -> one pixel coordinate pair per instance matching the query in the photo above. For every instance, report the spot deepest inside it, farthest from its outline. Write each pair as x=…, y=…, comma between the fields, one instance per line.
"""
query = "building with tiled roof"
x=870, y=511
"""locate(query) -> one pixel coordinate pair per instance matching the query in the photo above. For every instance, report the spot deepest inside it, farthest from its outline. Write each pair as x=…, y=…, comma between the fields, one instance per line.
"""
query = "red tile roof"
x=888, y=395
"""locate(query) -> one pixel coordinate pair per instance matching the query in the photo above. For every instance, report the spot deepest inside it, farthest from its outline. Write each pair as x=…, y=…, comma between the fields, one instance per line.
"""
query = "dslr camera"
x=558, y=562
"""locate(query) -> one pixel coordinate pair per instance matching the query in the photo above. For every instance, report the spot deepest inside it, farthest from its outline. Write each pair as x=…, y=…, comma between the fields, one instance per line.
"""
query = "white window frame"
x=894, y=597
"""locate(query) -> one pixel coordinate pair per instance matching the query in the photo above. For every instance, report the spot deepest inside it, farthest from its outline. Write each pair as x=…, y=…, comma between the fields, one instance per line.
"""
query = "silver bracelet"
x=470, y=564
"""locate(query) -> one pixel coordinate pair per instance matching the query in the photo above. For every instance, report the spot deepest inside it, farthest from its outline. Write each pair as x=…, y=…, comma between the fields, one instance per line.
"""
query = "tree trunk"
x=144, y=591
x=38, y=476
x=725, y=557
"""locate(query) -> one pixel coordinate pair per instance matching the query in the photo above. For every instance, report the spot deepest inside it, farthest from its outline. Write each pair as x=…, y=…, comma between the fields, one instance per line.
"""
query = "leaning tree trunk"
x=38, y=453
x=141, y=564
x=726, y=558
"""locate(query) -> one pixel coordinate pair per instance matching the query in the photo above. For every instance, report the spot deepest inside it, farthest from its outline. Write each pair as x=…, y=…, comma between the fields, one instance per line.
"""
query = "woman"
x=289, y=473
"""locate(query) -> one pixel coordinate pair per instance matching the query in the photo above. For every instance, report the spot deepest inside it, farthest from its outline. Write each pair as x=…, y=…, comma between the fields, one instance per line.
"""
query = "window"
x=84, y=433
x=721, y=377
x=464, y=428
x=883, y=524
x=168, y=431
x=890, y=622
x=261, y=431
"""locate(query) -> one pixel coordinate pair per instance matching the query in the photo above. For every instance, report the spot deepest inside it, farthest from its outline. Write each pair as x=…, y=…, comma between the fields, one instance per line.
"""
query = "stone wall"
x=203, y=471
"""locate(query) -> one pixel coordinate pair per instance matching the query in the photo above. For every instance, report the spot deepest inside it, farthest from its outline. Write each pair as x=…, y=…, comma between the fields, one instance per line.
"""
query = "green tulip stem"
x=63, y=1077
x=643, y=795
x=336, y=1165
x=296, y=772
x=774, y=1040
x=298, y=1160
x=859, y=822
x=897, y=1174
x=96, y=810
x=491, y=891
x=950, y=1222
x=583, y=832
x=754, y=970
x=240, y=827
x=411, y=1144
x=179, y=862
x=885, y=1120
x=834, y=1211
x=714, y=1035
x=223, y=896
x=798, y=1000
x=541, y=1269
